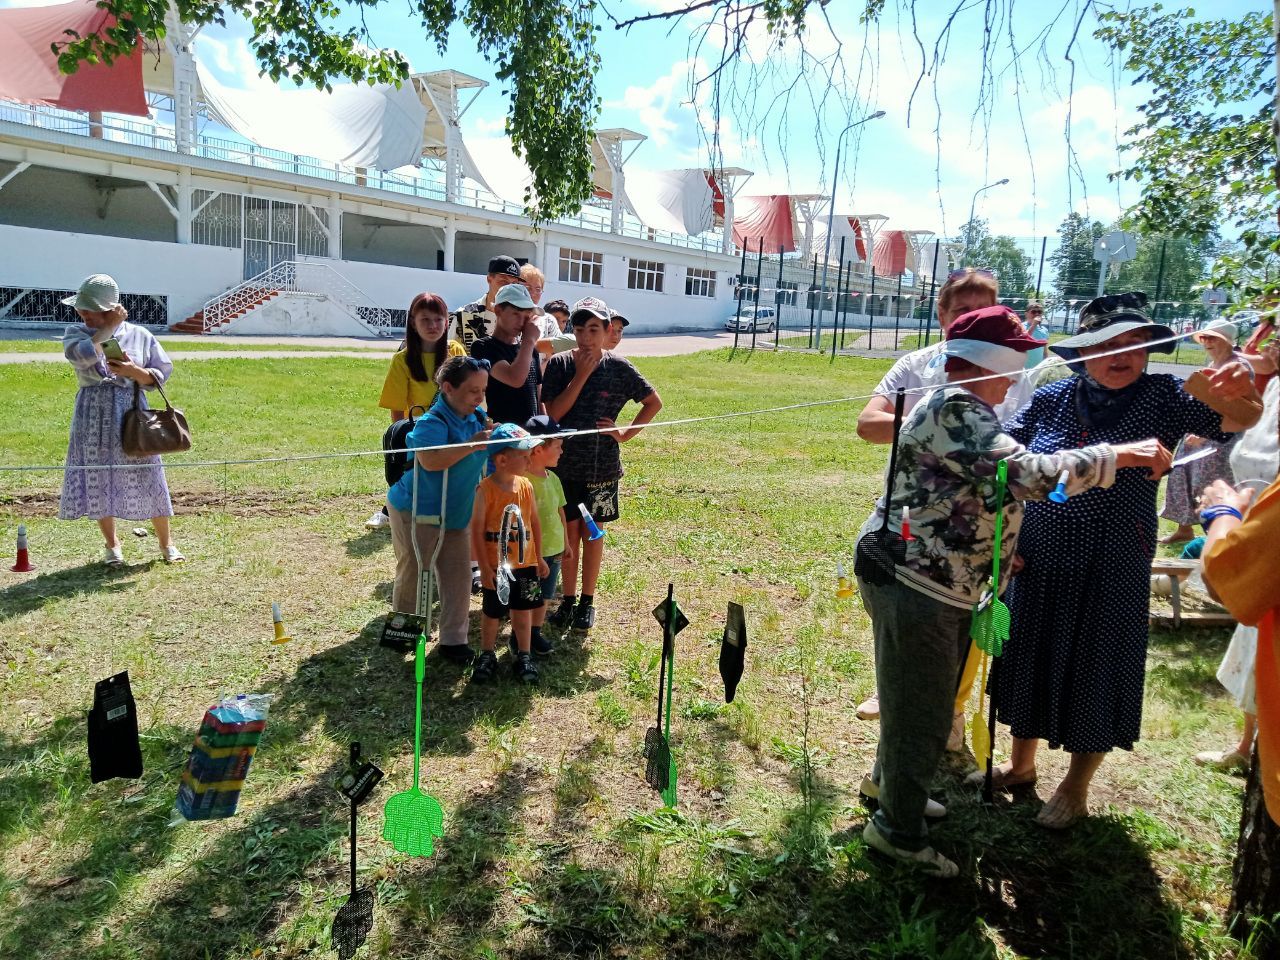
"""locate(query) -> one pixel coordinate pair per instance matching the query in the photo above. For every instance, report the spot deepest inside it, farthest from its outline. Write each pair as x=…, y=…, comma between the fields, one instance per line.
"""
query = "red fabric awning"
x=768, y=217
x=859, y=238
x=717, y=205
x=29, y=67
x=891, y=253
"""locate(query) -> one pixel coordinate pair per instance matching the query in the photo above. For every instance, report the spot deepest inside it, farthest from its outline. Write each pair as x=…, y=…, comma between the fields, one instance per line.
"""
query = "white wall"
x=293, y=316
x=395, y=287
x=188, y=274
x=650, y=312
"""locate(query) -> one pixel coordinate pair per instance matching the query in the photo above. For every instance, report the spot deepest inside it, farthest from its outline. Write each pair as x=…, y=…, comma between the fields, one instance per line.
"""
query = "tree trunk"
x=1255, y=879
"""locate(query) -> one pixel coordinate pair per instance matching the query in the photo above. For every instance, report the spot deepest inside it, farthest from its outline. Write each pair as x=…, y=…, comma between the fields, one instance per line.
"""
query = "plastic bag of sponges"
x=219, y=761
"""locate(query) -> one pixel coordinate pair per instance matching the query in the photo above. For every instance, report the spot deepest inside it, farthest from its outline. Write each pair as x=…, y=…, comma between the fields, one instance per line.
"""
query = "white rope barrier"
x=653, y=425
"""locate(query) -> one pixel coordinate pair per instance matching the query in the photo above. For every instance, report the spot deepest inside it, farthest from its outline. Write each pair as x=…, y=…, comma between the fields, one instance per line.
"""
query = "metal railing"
x=425, y=182
x=312, y=279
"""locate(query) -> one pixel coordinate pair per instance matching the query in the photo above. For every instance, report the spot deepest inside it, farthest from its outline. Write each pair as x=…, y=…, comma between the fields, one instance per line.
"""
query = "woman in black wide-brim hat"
x=1072, y=672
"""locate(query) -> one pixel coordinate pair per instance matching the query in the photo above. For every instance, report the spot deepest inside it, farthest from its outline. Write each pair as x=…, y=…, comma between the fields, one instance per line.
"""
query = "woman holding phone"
x=111, y=355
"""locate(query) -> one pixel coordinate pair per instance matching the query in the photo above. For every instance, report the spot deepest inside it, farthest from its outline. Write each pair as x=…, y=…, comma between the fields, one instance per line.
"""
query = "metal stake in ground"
x=354, y=919
x=660, y=769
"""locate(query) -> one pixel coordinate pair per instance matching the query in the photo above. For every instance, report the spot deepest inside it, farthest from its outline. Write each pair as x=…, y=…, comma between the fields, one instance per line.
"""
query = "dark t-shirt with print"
x=508, y=404
x=615, y=381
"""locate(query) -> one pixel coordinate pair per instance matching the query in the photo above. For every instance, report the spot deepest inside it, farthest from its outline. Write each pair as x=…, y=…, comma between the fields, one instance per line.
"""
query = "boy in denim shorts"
x=585, y=389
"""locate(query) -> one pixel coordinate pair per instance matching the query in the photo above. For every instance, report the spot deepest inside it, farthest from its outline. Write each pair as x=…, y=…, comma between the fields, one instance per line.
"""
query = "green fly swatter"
x=989, y=627
x=411, y=818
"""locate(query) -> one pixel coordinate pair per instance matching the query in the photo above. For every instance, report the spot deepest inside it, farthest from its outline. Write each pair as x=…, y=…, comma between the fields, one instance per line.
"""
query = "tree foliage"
x=543, y=51
x=1204, y=149
x=1075, y=270
x=1013, y=267
x=1168, y=269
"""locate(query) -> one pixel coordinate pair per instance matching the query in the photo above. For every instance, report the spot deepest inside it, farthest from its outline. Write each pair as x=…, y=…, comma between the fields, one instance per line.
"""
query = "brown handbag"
x=147, y=432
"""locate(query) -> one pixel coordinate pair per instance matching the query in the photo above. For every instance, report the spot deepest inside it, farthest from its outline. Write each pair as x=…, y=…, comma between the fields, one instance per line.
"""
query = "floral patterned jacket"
x=946, y=473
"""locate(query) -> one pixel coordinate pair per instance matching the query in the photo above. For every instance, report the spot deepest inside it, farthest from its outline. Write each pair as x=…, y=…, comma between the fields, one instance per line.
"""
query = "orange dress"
x=1242, y=569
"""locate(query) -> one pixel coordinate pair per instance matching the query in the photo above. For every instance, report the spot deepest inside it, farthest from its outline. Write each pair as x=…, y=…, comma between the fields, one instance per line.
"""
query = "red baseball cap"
x=998, y=325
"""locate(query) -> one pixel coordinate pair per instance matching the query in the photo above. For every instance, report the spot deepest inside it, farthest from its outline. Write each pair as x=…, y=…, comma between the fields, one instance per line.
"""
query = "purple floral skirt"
x=136, y=493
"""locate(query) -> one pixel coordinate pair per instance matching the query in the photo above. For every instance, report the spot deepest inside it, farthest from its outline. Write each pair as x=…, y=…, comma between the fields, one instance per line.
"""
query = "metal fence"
x=782, y=302
x=38, y=306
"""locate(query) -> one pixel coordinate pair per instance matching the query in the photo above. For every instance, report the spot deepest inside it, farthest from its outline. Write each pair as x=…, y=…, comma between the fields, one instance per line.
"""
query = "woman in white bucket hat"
x=138, y=492
x=1218, y=337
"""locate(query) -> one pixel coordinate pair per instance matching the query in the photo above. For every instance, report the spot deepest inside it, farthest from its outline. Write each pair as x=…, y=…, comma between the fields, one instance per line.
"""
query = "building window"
x=581, y=266
x=788, y=293
x=645, y=275
x=699, y=283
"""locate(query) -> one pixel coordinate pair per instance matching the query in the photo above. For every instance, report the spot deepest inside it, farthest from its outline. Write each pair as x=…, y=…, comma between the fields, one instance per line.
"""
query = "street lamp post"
x=826, y=247
x=968, y=227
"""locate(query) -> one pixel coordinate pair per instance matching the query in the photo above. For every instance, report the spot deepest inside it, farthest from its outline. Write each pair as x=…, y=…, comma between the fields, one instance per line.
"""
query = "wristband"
x=1210, y=514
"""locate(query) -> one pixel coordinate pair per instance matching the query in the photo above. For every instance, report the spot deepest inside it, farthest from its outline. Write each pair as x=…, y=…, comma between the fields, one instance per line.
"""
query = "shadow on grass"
x=88, y=578
x=1184, y=664
x=369, y=542
x=239, y=879
x=116, y=880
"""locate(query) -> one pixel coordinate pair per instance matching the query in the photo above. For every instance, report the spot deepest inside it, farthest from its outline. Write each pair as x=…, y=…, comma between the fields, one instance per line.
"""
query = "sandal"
x=1060, y=814
x=1001, y=779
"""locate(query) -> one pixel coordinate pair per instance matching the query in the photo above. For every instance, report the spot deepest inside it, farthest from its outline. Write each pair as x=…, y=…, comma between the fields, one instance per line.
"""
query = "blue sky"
x=891, y=167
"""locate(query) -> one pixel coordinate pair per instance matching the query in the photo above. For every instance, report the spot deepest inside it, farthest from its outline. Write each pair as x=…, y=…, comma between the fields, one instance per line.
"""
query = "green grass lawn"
x=53, y=344
x=554, y=846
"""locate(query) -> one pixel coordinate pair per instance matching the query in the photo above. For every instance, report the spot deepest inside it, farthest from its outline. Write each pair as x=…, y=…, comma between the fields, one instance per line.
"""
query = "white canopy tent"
x=679, y=201
x=378, y=127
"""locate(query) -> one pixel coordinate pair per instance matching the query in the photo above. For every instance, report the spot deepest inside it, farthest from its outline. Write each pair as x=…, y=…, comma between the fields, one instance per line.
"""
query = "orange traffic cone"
x=24, y=563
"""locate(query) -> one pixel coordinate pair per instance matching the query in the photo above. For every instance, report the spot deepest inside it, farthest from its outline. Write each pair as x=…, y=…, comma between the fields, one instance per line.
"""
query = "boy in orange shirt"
x=507, y=486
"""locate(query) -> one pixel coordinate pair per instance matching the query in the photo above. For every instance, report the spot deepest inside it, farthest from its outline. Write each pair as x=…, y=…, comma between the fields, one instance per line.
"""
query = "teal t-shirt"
x=440, y=425
x=548, y=494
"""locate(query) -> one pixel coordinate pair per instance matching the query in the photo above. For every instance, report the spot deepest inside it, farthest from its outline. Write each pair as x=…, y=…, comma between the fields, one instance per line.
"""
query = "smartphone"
x=111, y=349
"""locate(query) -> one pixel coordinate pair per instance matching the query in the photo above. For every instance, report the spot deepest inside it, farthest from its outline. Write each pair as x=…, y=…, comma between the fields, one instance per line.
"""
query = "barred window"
x=645, y=275
x=581, y=266
x=788, y=293
x=699, y=283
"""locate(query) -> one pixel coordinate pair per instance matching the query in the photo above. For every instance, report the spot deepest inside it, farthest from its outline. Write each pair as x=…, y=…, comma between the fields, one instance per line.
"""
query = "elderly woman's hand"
x=1222, y=494
x=1150, y=453
x=130, y=370
x=1231, y=382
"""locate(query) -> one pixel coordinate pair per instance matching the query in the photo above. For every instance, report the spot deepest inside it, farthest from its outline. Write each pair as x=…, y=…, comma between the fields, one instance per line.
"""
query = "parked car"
x=753, y=318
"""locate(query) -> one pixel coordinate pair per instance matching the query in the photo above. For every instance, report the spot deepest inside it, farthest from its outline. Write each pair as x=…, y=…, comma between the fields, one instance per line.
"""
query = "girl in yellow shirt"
x=411, y=379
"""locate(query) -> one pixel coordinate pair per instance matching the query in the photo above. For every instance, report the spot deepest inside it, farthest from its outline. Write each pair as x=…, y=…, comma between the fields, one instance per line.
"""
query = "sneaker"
x=562, y=616
x=485, y=667
x=542, y=646
x=378, y=521
x=458, y=653
x=584, y=618
x=172, y=554
x=868, y=709
x=113, y=556
x=870, y=790
x=955, y=739
x=524, y=668
x=929, y=860
x=475, y=581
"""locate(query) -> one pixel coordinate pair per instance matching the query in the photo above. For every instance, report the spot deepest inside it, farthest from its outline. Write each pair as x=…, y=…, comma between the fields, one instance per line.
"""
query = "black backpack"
x=396, y=465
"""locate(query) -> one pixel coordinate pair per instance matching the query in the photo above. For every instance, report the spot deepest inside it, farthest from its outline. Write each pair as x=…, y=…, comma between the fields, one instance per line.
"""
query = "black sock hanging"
x=114, y=750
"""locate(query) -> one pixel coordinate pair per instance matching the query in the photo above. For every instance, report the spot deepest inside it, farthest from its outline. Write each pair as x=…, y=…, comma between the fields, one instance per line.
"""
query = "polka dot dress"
x=1072, y=672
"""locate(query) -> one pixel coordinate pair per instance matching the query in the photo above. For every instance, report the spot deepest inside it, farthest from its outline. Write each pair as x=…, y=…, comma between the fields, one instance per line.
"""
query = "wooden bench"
x=1178, y=570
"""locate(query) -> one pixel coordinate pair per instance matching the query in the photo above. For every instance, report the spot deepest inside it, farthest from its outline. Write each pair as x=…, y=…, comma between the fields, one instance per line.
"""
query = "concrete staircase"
x=196, y=322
